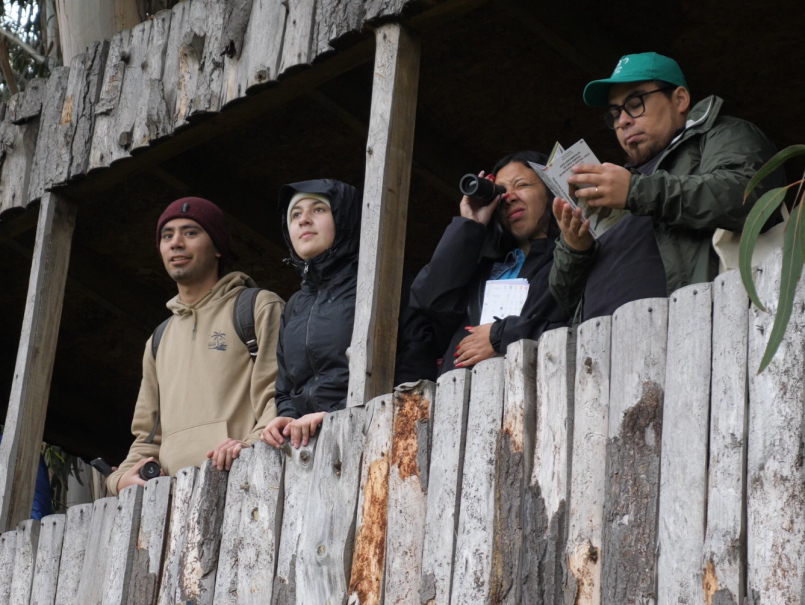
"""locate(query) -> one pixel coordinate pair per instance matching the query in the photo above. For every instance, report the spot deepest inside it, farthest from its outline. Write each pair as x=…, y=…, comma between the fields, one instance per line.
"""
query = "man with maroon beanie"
x=204, y=394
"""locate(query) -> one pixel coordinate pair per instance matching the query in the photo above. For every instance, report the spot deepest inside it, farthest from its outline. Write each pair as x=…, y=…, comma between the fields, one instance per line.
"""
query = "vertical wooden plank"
x=258, y=63
x=639, y=338
x=199, y=558
x=226, y=581
x=444, y=485
x=297, y=48
x=98, y=552
x=27, y=105
x=151, y=118
x=369, y=558
x=48, y=557
x=147, y=561
x=382, y=9
x=408, y=490
x=775, y=490
x=336, y=20
x=76, y=534
x=24, y=562
x=473, y=558
x=388, y=170
x=183, y=43
x=683, y=473
x=723, y=561
x=131, y=92
x=206, y=97
x=124, y=540
x=78, y=113
x=298, y=476
x=513, y=462
x=17, y=148
x=181, y=499
x=46, y=155
x=587, y=483
x=27, y=406
x=325, y=545
x=260, y=523
x=546, y=497
x=8, y=554
x=104, y=133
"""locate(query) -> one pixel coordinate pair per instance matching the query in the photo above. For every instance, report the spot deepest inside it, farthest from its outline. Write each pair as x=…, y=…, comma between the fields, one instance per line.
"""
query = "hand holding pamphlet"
x=554, y=175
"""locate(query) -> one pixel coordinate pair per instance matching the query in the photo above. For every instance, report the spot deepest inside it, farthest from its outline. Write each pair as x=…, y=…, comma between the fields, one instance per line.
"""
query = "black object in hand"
x=100, y=465
x=149, y=470
x=480, y=189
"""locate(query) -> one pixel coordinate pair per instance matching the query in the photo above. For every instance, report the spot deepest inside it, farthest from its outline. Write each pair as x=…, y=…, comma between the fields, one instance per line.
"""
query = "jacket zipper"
x=307, y=334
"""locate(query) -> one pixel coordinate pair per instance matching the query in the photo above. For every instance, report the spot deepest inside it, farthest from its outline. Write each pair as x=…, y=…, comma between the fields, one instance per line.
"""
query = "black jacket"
x=450, y=290
x=316, y=325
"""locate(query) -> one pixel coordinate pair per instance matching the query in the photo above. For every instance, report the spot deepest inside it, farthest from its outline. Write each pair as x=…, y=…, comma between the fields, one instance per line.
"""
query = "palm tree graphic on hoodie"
x=217, y=341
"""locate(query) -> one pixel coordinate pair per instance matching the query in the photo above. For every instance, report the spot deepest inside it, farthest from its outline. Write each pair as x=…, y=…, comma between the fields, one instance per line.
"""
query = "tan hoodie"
x=203, y=380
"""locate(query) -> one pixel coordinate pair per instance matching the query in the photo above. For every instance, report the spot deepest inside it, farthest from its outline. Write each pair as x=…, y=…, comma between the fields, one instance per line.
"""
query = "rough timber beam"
x=389, y=152
x=27, y=406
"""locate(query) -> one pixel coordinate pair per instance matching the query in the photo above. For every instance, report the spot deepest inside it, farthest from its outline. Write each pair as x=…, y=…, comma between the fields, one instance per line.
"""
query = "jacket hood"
x=224, y=288
x=345, y=204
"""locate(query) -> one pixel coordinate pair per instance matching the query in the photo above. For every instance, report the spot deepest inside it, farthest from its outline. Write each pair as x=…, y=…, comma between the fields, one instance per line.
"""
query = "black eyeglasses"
x=634, y=107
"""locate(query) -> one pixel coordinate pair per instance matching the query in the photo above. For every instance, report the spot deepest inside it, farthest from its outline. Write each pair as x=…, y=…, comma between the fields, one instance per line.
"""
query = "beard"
x=639, y=155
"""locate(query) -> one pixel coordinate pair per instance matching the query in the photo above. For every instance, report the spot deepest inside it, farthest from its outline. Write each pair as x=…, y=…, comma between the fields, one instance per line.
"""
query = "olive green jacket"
x=697, y=187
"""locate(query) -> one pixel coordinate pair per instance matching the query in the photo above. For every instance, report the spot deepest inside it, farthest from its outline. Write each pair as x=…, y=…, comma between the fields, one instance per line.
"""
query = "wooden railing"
x=639, y=459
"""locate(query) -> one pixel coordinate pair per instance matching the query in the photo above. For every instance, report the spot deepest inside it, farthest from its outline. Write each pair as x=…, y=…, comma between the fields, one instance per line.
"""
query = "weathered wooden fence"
x=638, y=460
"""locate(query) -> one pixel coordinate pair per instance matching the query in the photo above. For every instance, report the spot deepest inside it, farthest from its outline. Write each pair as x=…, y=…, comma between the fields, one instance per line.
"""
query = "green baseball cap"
x=634, y=68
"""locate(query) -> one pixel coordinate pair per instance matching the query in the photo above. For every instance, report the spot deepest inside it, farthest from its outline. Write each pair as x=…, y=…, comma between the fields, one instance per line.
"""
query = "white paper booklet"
x=555, y=174
x=503, y=297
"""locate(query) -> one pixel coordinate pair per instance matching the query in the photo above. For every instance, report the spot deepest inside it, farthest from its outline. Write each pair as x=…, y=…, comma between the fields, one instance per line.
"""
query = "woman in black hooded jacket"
x=321, y=223
x=450, y=289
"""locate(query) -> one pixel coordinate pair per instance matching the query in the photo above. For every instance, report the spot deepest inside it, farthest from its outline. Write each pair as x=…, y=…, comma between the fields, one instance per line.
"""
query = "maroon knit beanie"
x=205, y=213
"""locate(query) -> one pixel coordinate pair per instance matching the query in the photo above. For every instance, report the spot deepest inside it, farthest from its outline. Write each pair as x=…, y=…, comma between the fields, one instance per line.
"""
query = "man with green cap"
x=685, y=177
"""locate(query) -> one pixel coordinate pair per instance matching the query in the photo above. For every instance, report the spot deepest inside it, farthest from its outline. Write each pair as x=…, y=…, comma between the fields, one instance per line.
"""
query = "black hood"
x=345, y=204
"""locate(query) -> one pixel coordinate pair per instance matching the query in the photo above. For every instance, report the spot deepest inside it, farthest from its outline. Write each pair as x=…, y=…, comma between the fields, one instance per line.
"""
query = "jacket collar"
x=700, y=119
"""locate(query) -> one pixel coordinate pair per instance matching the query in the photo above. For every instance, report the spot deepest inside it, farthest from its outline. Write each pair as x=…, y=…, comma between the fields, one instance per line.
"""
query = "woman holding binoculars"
x=450, y=289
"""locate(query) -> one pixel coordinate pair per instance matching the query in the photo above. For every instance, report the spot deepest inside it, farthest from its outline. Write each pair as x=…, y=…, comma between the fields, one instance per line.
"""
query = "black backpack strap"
x=243, y=318
x=155, y=340
x=157, y=337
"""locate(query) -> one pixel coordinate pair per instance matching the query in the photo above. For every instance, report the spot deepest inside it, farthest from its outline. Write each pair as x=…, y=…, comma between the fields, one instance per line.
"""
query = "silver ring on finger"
x=596, y=192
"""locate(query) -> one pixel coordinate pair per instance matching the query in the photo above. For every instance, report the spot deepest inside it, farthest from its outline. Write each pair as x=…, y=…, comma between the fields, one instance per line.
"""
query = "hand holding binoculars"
x=480, y=190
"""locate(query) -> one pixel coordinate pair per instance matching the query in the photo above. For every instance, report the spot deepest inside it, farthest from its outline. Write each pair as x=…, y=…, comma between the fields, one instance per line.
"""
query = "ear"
x=681, y=98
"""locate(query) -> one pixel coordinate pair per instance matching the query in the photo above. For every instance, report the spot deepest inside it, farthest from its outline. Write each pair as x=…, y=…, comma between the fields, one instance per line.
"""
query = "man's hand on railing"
x=223, y=455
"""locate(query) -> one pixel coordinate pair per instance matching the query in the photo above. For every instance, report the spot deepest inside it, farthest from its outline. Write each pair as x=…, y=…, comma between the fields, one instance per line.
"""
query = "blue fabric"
x=41, y=507
x=510, y=267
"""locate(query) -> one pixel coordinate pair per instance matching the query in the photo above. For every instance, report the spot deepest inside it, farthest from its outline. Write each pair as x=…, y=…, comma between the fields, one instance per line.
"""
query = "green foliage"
x=60, y=467
x=793, y=247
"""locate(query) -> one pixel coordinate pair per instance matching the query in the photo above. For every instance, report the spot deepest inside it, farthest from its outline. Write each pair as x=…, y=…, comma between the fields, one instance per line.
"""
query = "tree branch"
x=8, y=73
x=29, y=50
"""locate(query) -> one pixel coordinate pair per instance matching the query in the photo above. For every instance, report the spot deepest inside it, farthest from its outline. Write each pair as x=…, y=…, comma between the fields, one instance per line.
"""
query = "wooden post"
x=389, y=150
x=723, y=568
x=588, y=484
x=637, y=388
x=25, y=420
x=685, y=427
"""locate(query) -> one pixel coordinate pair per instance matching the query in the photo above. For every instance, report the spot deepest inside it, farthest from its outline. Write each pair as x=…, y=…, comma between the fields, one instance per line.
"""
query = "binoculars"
x=480, y=189
x=149, y=470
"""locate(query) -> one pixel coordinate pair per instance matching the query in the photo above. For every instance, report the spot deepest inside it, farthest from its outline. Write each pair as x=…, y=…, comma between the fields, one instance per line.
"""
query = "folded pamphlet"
x=554, y=175
x=503, y=297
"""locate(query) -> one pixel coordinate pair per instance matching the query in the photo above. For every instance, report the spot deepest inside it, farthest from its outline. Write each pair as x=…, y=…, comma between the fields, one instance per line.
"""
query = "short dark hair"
x=547, y=221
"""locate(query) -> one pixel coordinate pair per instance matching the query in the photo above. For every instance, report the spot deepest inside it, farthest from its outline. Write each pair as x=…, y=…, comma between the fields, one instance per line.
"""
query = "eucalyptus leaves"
x=793, y=244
